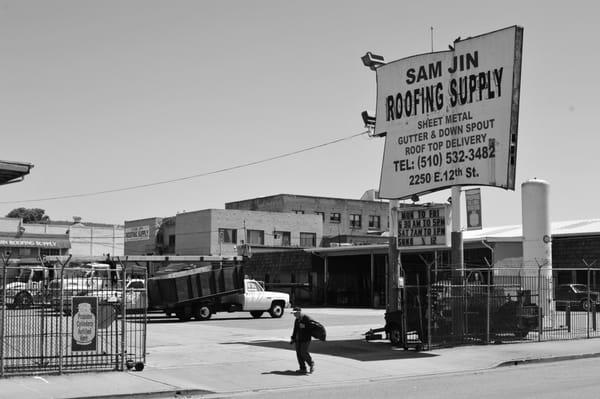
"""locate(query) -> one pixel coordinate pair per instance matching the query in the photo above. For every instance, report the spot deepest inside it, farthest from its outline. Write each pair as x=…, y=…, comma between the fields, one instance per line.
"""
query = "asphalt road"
x=566, y=379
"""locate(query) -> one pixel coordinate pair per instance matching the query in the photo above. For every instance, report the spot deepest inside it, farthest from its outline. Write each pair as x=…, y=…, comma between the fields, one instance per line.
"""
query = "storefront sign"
x=16, y=242
x=85, y=326
x=451, y=117
x=424, y=226
x=473, y=199
x=138, y=233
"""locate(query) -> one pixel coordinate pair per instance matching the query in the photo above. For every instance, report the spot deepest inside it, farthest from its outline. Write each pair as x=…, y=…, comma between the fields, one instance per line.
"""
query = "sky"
x=108, y=95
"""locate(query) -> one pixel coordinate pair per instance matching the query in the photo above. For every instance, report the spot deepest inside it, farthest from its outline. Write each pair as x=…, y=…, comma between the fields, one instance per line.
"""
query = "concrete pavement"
x=249, y=361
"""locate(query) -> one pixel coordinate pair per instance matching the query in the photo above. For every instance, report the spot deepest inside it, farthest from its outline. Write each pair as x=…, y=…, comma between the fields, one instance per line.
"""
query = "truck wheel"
x=276, y=310
x=203, y=312
x=23, y=300
x=395, y=335
x=256, y=314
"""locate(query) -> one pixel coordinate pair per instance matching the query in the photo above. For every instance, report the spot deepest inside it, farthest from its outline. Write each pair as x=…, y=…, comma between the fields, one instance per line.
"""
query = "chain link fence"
x=66, y=317
x=492, y=305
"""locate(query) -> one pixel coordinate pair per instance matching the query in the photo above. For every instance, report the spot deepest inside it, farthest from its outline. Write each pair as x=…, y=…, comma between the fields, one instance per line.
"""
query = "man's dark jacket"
x=301, y=331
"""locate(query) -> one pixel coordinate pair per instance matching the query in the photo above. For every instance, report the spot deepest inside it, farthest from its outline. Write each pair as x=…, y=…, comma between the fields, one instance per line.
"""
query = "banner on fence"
x=85, y=326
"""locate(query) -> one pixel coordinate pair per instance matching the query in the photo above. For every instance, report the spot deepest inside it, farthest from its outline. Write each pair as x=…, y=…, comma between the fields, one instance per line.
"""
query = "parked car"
x=577, y=297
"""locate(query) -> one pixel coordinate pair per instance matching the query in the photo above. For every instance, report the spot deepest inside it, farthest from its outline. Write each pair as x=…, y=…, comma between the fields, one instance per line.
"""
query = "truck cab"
x=256, y=300
x=27, y=288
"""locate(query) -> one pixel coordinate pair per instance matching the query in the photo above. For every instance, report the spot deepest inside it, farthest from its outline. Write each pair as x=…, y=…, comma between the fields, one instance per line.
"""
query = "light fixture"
x=372, y=61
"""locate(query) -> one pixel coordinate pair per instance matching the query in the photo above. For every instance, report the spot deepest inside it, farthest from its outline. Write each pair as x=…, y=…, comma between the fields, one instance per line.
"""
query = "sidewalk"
x=223, y=357
x=267, y=365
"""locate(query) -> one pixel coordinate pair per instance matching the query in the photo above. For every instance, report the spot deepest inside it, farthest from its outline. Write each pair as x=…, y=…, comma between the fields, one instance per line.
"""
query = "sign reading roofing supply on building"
x=424, y=226
x=473, y=199
x=451, y=117
x=137, y=233
x=85, y=327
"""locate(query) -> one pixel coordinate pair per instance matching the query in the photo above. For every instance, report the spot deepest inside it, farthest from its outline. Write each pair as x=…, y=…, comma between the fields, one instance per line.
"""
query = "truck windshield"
x=579, y=288
x=253, y=286
x=24, y=275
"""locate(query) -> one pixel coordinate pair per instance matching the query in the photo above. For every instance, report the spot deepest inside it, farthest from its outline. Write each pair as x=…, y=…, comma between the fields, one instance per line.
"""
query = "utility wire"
x=214, y=172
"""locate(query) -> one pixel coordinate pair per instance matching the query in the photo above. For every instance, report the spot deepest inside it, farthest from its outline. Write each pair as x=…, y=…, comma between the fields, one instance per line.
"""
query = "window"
x=252, y=286
x=282, y=238
x=335, y=218
x=255, y=237
x=172, y=240
x=322, y=214
x=374, y=222
x=355, y=221
x=228, y=236
x=298, y=211
x=308, y=239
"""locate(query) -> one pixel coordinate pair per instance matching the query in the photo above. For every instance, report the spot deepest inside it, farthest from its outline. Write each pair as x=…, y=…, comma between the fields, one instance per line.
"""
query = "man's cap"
x=296, y=309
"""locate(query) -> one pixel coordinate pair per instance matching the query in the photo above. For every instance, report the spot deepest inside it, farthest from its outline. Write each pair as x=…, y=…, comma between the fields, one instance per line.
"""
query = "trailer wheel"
x=276, y=310
x=395, y=335
x=256, y=314
x=203, y=312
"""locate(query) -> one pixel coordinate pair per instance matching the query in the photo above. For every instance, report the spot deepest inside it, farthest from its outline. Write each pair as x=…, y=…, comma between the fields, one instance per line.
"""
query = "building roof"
x=12, y=172
x=515, y=232
x=307, y=196
x=512, y=233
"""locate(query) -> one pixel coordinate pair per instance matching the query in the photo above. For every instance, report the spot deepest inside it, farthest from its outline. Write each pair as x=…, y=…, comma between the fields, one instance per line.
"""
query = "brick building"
x=353, y=220
x=221, y=231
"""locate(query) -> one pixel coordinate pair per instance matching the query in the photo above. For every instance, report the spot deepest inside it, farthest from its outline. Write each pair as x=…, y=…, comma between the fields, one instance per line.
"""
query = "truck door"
x=254, y=296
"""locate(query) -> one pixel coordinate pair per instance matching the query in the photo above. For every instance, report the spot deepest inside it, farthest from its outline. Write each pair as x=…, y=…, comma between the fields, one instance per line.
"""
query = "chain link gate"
x=57, y=316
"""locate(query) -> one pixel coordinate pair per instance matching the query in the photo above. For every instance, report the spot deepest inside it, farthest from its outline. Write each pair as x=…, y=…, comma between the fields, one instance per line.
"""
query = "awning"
x=11, y=172
x=34, y=242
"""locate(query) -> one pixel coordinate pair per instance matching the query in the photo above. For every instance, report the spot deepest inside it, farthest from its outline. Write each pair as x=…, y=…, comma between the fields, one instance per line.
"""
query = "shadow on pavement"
x=285, y=372
x=358, y=349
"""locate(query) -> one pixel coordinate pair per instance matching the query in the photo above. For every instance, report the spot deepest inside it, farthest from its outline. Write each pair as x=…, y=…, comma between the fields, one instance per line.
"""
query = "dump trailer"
x=200, y=292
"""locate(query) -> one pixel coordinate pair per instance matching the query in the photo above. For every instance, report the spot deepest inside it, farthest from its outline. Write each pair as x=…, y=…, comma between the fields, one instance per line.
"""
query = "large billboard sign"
x=450, y=118
x=424, y=226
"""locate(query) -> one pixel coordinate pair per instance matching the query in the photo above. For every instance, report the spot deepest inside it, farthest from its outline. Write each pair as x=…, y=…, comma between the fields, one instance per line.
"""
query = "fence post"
x=568, y=316
x=62, y=315
x=488, y=303
x=540, y=301
x=429, y=309
x=123, y=316
x=3, y=310
x=589, y=303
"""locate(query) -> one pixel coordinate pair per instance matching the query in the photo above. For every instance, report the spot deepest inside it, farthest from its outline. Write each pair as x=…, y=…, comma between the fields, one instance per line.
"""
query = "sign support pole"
x=458, y=271
x=457, y=238
x=393, y=303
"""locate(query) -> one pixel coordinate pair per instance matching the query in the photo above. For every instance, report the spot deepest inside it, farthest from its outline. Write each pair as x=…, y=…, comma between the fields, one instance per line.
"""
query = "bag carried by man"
x=317, y=330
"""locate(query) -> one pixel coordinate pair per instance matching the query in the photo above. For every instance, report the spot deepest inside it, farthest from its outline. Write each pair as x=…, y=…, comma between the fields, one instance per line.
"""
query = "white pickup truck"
x=256, y=300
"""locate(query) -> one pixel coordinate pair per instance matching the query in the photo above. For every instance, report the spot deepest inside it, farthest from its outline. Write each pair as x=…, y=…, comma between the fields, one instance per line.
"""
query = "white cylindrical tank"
x=537, y=248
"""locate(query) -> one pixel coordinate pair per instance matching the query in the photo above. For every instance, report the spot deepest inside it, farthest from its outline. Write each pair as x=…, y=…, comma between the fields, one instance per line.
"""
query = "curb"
x=547, y=359
x=172, y=393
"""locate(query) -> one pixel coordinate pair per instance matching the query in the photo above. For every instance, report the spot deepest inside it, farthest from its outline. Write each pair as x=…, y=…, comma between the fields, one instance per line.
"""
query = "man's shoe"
x=301, y=371
x=312, y=368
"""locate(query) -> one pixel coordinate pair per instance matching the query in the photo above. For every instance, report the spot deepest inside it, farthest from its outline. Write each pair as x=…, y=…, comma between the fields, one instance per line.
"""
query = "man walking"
x=301, y=338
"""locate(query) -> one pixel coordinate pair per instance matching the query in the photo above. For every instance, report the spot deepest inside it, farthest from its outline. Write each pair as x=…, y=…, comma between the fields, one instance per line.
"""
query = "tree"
x=29, y=215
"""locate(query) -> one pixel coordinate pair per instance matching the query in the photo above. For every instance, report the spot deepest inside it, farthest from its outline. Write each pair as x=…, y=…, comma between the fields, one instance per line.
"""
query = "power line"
x=214, y=172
